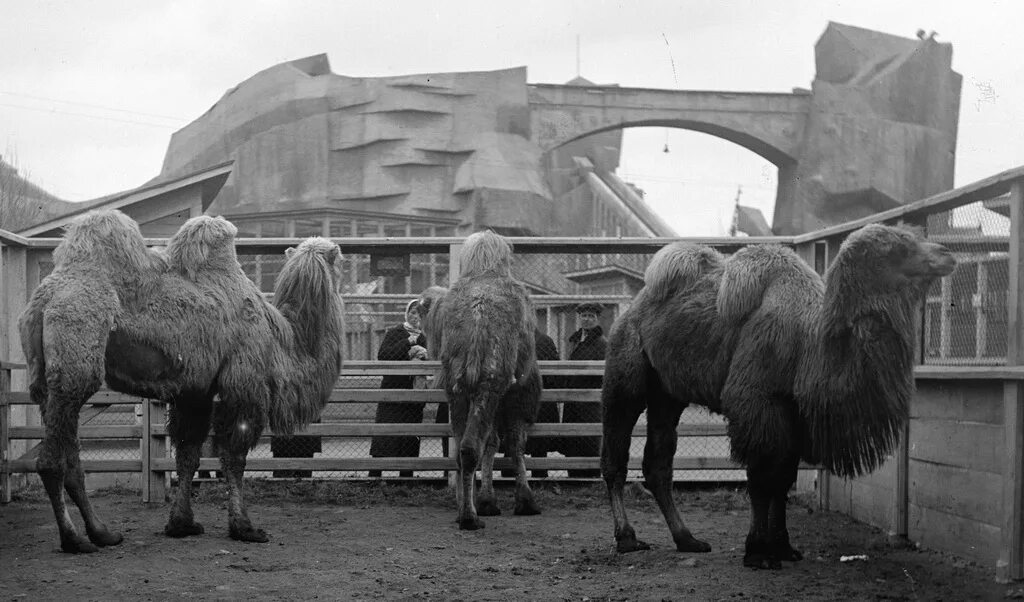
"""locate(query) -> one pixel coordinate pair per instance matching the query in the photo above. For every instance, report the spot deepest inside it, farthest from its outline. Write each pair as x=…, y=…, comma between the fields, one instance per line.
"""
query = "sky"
x=90, y=92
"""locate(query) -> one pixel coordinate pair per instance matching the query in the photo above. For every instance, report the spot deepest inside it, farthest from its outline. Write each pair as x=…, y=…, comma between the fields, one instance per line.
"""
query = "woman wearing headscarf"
x=403, y=342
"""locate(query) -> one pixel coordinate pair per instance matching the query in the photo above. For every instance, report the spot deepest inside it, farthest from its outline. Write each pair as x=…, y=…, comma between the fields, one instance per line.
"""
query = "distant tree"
x=19, y=205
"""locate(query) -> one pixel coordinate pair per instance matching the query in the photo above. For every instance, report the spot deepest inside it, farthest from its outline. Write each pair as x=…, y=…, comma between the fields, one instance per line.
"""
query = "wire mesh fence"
x=965, y=315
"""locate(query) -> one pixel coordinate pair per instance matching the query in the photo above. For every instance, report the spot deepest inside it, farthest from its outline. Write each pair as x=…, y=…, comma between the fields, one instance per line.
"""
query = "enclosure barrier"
x=155, y=462
x=956, y=482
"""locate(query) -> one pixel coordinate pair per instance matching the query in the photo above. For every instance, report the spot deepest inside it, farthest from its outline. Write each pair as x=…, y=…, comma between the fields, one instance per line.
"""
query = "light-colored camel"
x=482, y=330
x=187, y=327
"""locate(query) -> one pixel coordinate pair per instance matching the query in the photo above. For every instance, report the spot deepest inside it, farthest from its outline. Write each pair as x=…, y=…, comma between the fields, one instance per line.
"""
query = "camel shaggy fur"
x=184, y=326
x=800, y=369
x=482, y=330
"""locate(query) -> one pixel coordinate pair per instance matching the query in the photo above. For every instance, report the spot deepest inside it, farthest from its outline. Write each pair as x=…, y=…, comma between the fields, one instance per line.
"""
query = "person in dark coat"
x=587, y=343
x=403, y=342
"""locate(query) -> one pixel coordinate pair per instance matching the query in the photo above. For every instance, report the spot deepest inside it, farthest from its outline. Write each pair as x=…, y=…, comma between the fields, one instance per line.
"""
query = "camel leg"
x=768, y=482
x=467, y=460
x=779, y=537
x=240, y=527
x=473, y=422
x=237, y=428
x=487, y=501
x=456, y=479
x=74, y=483
x=758, y=553
x=621, y=410
x=662, y=418
x=60, y=418
x=525, y=504
x=188, y=427
x=763, y=436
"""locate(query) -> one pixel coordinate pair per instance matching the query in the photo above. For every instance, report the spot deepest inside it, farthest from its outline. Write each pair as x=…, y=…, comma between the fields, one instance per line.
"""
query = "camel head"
x=315, y=261
x=428, y=297
x=894, y=257
x=203, y=243
x=430, y=317
x=486, y=251
x=308, y=292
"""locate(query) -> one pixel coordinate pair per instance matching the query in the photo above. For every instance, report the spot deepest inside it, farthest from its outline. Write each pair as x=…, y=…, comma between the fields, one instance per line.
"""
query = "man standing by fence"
x=587, y=343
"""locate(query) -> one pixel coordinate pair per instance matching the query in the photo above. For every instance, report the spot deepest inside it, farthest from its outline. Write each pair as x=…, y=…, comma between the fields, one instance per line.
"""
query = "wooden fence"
x=155, y=463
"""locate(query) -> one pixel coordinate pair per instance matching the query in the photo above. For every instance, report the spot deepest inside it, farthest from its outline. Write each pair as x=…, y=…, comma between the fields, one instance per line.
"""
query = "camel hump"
x=106, y=237
x=203, y=242
x=752, y=271
x=678, y=266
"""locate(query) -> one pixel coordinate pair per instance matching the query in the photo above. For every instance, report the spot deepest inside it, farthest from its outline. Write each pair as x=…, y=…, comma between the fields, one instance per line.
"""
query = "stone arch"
x=758, y=145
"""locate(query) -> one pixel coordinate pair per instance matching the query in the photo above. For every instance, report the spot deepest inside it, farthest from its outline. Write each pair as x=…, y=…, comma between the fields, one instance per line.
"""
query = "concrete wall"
x=954, y=473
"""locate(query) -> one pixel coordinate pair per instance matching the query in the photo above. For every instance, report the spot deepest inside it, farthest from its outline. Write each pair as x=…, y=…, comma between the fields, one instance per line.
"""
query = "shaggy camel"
x=482, y=330
x=799, y=369
x=183, y=326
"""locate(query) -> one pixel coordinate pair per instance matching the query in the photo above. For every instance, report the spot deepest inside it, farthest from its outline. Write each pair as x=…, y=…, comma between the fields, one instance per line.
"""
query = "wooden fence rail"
x=156, y=464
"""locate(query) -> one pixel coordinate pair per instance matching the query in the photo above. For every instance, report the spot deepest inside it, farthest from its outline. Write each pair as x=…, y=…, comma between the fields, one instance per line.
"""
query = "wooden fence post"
x=154, y=447
x=5, y=442
x=14, y=293
x=1011, y=548
x=815, y=253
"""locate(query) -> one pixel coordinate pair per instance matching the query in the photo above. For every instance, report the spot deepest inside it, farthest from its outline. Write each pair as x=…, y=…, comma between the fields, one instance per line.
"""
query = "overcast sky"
x=90, y=92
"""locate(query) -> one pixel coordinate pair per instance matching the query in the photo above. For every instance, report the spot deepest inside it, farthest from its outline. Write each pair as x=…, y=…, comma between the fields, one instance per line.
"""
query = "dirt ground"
x=376, y=541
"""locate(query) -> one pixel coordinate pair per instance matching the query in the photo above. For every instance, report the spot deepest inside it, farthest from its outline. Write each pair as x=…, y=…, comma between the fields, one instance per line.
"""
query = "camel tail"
x=483, y=402
x=676, y=267
x=474, y=358
x=30, y=327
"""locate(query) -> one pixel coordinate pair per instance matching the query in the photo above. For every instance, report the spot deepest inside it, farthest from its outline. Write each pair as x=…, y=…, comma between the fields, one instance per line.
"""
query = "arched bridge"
x=769, y=124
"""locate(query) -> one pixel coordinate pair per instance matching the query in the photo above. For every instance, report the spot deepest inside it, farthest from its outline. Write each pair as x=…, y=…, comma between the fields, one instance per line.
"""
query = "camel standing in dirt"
x=183, y=326
x=482, y=330
x=800, y=369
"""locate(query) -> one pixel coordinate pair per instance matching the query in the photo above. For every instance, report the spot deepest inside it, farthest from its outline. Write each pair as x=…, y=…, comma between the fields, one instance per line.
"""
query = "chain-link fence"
x=965, y=317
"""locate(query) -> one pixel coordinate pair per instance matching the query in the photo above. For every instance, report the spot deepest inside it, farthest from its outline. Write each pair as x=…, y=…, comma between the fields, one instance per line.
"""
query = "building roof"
x=211, y=179
x=751, y=221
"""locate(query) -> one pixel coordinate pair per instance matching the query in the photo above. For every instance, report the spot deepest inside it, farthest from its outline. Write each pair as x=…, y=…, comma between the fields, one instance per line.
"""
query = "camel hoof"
x=183, y=529
x=487, y=508
x=470, y=524
x=761, y=561
x=625, y=546
x=106, y=538
x=693, y=544
x=526, y=508
x=78, y=545
x=249, y=534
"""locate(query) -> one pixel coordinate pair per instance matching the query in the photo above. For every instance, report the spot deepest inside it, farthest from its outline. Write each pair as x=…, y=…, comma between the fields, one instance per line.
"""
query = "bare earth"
x=370, y=541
